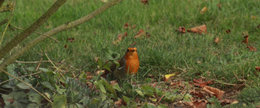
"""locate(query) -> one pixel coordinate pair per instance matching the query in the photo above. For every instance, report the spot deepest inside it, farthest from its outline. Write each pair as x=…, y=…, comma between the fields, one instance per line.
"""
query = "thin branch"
x=1, y=3
x=60, y=28
x=20, y=77
x=6, y=27
x=45, y=97
x=32, y=62
x=20, y=37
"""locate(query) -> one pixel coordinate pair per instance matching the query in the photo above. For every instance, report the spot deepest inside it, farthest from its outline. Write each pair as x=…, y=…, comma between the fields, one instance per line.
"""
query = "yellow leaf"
x=168, y=76
x=203, y=10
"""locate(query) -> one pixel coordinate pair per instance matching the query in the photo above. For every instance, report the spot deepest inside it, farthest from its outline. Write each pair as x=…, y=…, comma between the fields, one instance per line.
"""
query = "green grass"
x=166, y=51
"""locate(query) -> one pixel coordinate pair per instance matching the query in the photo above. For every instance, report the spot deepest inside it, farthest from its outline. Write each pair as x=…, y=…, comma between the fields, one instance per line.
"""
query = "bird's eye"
x=127, y=50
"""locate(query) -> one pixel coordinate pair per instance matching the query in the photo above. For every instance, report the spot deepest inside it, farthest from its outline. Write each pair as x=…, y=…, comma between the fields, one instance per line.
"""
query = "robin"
x=128, y=64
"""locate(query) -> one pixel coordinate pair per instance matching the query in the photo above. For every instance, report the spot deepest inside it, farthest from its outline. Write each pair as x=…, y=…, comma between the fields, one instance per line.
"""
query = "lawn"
x=228, y=62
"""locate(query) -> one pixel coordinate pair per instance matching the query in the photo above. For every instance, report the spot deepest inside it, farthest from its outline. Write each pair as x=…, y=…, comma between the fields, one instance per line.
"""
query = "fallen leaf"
x=214, y=91
x=251, y=48
x=144, y=2
x=100, y=72
x=168, y=76
x=181, y=30
x=119, y=38
x=148, y=34
x=199, y=104
x=257, y=68
x=245, y=39
x=89, y=77
x=219, y=5
x=65, y=46
x=203, y=10
x=198, y=29
x=253, y=17
x=119, y=103
x=96, y=59
x=126, y=25
x=125, y=34
x=70, y=39
x=199, y=82
x=228, y=31
x=227, y=101
x=216, y=40
x=139, y=34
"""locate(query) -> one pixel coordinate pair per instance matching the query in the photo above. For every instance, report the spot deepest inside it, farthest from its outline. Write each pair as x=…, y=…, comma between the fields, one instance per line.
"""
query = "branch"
x=20, y=37
x=1, y=3
x=60, y=28
x=44, y=96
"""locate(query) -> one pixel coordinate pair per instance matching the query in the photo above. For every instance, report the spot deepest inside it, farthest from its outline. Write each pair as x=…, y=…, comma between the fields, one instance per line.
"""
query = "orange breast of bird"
x=131, y=61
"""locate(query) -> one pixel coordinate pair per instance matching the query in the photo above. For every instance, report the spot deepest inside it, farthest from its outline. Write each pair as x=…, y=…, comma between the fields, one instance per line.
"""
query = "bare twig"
x=39, y=64
x=29, y=85
x=57, y=68
x=32, y=62
x=60, y=28
x=1, y=3
x=20, y=37
x=20, y=77
x=6, y=27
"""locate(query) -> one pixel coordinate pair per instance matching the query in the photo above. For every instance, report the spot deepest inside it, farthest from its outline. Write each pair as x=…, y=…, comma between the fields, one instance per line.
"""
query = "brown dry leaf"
x=181, y=30
x=148, y=35
x=100, y=72
x=113, y=82
x=219, y=5
x=245, y=39
x=199, y=104
x=133, y=26
x=126, y=25
x=70, y=39
x=203, y=10
x=257, y=68
x=253, y=17
x=140, y=33
x=125, y=34
x=89, y=77
x=144, y=1
x=251, y=48
x=228, y=31
x=227, y=101
x=96, y=59
x=216, y=40
x=214, y=91
x=198, y=29
x=119, y=103
x=199, y=82
x=119, y=38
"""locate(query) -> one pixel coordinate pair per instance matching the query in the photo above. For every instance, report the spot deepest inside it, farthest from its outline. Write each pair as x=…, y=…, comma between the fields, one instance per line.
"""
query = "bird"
x=128, y=64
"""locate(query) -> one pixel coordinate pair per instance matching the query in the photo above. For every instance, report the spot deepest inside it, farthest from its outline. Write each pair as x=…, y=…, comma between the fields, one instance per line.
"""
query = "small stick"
x=32, y=62
x=39, y=64
x=17, y=78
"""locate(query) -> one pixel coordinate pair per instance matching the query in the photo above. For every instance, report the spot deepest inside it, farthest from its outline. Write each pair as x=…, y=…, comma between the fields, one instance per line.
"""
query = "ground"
x=221, y=56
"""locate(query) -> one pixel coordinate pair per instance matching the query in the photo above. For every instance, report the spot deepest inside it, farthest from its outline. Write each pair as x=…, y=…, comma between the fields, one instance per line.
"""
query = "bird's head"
x=131, y=53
